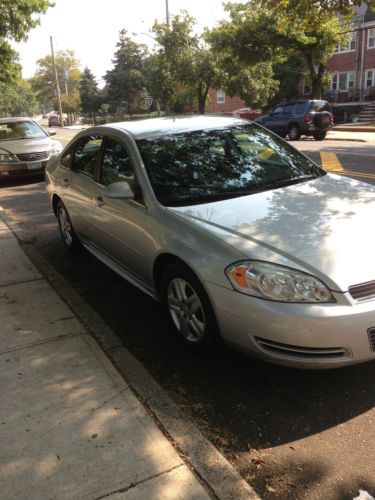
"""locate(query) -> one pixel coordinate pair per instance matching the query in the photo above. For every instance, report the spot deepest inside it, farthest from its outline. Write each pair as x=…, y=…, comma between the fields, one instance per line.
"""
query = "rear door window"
x=86, y=155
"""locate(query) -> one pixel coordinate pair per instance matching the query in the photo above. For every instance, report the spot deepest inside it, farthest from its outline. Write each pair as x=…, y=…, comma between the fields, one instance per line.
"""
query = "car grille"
x=363, y=291
x=371, y=336
x=33, y=156
x=303, y=353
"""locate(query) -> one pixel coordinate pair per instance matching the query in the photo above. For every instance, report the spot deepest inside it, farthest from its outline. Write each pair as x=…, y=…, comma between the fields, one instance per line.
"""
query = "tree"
x=89, y=93
x=126, y=81
x=16, y=19
x=17, y=99
x=187, y=60
x=69, y=76
x=270, y=30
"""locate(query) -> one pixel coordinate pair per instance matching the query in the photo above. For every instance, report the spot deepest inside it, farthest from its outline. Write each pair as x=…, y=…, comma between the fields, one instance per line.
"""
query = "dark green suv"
x=293, y=118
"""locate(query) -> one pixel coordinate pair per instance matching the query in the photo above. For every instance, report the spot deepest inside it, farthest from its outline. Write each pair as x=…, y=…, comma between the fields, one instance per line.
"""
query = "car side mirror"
x=119, y=190
x=52, y=133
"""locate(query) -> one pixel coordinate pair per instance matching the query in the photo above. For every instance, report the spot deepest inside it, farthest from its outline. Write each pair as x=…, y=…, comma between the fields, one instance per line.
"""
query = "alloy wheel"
x=65, y=226
x=186, y=310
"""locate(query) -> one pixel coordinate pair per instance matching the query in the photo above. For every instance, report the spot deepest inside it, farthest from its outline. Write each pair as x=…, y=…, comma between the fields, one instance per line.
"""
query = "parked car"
x=24, y=147
x=55, y=121
x=236, y=232
x=294, y=118
x=246, y=113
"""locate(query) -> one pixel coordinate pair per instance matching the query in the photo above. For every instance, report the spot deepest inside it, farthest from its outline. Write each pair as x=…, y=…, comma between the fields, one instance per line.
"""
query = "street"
x=292, y=434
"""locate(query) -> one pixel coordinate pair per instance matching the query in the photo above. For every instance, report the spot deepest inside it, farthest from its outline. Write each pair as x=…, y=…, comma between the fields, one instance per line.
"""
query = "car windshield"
x=11, y=131
x=208, y=165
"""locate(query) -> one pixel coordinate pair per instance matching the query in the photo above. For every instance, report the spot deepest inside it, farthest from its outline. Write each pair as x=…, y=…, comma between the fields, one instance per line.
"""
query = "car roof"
x=15, y=119
x=158, y=127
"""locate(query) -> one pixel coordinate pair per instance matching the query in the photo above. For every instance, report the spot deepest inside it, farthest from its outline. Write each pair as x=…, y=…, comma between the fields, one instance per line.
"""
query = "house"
x=352, y=67
x=220, y=102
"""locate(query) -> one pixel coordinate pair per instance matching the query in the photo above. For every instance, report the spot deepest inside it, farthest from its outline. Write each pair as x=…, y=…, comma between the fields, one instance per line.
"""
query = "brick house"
x=353, y=65
x=219, y=102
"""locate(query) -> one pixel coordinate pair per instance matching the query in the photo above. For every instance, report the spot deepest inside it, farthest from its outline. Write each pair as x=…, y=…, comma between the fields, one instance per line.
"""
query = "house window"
x=348, y=46
x=371, y=38
x=342, y=81
x=369, y=78
x=334, y=82
x=220, y=97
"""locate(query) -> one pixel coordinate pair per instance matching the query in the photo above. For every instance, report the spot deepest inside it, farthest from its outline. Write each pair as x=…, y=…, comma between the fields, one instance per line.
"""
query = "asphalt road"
x=292, y=434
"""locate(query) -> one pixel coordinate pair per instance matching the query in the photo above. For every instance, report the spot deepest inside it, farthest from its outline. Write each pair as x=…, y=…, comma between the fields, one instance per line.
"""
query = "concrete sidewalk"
x=350, y=135
x=70, y=427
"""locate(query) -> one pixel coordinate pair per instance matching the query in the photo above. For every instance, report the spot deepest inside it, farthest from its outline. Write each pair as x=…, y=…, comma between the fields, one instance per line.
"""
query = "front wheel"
x=68, y=235
x=319, y=135
x=189, y=308
x=294, y=132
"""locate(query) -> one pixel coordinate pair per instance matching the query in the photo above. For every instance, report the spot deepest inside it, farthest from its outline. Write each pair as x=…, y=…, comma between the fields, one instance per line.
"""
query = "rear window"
x=320, y=106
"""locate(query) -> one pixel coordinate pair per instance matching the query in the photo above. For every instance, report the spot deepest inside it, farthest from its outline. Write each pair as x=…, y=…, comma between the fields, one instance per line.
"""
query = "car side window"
x=277, y=111
x=288, y=109
x=117, y=166
x=86, y=155
x=65, y=159
x=299, y=108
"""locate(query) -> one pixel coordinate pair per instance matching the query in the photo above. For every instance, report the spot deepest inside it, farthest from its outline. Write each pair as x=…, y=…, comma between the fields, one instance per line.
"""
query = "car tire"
x=67, y=232
x=319, y=135
x=294, y=132
x=189, y=308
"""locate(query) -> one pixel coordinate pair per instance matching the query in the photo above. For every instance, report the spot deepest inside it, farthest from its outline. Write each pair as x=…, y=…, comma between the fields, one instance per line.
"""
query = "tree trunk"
x=316, y=77
x=202, y=92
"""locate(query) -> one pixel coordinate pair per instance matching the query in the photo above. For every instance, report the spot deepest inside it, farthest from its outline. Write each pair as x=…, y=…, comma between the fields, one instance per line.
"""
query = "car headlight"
x=6, y=157
x=279, y=283
x=55, y=151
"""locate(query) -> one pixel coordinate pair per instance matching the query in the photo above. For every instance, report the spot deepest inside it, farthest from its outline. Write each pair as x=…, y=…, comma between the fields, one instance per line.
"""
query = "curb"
x=211, y=467
x=354, y=129
x=345, y=139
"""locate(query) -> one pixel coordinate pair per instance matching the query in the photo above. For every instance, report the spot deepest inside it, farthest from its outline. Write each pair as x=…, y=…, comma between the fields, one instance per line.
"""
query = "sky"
x=91, y=28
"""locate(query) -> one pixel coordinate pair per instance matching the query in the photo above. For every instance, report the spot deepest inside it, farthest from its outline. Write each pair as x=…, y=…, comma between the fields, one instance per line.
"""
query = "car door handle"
x=100, y=201
x=65, y=182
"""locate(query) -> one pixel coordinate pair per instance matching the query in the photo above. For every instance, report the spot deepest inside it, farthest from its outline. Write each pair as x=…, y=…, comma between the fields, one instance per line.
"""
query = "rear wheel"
x=68, y=235
x=294, y=132
x=319, y=135
x=189, y=308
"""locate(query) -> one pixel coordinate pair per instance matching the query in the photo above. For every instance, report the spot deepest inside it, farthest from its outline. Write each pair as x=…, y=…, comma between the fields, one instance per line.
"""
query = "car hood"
x=323, y=226
x=27, y=145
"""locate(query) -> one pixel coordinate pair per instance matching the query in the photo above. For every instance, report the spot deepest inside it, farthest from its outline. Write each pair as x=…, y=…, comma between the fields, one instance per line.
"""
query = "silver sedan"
x=239, y=235
x=24, y=148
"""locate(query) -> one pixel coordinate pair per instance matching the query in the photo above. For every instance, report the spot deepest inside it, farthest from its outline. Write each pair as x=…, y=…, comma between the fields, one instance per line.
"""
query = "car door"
x=79, y=185
x=274, y=120
x=123, y=227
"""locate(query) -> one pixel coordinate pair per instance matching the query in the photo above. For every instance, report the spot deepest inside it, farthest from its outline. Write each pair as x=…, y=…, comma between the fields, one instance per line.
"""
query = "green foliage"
x=271, y=31
x=10, y=69
x=17, y=99
x=89, y=93
x=186, y=62
x=43, y=81
x=17, y=17
x=126, y=81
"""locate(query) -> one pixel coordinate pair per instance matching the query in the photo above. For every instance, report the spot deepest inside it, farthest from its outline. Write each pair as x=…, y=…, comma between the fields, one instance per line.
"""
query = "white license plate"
x=34, y=166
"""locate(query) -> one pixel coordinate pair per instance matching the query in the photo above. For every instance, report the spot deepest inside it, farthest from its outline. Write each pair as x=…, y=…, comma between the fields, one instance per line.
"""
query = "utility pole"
x=167, y=12
x=56, y=82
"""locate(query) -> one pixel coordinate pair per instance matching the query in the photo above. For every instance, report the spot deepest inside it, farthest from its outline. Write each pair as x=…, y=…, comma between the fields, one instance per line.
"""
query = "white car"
x=24, y=147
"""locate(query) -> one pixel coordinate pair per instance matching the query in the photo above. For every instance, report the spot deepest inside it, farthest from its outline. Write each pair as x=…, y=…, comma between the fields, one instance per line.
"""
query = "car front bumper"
x=299, y=335
x=21, y=169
